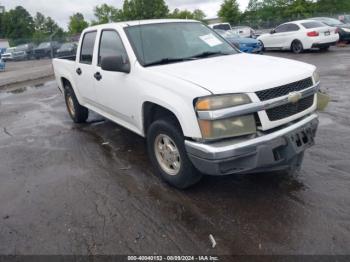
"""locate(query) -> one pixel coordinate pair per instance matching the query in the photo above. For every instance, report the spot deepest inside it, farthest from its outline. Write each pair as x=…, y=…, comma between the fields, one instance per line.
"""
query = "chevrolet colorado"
x=202, y=105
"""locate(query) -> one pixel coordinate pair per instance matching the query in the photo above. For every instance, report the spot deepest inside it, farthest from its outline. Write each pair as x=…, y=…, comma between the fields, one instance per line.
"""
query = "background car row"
x=296, y=36
x=44, y=50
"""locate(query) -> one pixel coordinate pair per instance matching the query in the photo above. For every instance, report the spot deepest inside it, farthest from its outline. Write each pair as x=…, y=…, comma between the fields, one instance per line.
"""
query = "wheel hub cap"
x=70, y=104
x=167, y=154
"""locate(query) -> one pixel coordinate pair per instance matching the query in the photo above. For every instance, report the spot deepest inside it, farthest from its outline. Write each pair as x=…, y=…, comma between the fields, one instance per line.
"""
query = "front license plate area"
x=302, y=139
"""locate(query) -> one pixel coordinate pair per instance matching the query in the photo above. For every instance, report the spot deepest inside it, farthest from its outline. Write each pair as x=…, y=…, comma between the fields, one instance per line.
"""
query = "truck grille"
x=285, y=89
x=288, y=110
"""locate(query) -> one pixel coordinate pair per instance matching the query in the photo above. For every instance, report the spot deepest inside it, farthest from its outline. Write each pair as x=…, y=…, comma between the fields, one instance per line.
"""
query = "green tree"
x=77, y=23
x=333, y=6
x=107, y=14
x=186, y=14
x=144, y=9
x=229, y=11
x=18, y=25
x=46, y=28
x=198, y=15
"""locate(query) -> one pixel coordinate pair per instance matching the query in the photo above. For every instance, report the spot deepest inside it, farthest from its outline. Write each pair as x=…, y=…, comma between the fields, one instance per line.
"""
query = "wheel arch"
x=152, y=111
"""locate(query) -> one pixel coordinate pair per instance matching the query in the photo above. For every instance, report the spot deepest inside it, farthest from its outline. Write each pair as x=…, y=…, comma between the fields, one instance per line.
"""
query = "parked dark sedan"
x=67, y=49
x=46, y=49
x=343, y=29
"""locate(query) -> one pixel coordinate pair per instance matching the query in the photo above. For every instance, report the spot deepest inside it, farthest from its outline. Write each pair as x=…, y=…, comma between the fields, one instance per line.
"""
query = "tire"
x=262, y=47
x=77, y=112
x=297, y=47
x=183, y=174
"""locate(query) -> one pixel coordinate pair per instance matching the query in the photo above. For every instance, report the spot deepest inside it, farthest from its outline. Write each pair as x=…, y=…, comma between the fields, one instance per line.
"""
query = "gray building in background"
x=2, y=9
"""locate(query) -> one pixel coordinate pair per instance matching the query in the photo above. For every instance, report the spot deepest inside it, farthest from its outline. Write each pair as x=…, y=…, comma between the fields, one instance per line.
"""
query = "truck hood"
x=240, y=73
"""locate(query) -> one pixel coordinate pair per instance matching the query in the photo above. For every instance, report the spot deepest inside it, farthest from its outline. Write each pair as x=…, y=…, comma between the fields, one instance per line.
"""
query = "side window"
x=281, y=29
x=293, y=27
x=111, y=45
x=87, y=48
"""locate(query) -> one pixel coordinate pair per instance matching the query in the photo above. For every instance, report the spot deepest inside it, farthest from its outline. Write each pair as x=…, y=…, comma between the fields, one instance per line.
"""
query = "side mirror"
x=272, y=31
x=115, y=64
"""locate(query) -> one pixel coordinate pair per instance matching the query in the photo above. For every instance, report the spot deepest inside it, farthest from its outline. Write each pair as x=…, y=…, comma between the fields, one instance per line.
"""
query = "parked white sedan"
x=300, y=35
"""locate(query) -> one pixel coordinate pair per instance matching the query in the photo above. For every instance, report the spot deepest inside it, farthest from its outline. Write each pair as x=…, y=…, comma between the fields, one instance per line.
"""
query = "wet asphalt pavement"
x=64, y=191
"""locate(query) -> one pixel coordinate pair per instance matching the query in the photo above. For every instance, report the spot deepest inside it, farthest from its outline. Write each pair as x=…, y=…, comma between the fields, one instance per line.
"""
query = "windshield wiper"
x=169, y=60
x=166, y=60
x=209, y=53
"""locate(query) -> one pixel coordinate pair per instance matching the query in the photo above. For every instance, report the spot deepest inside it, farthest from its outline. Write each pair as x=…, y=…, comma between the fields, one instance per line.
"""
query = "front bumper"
x=251, y=50
x=268, y=152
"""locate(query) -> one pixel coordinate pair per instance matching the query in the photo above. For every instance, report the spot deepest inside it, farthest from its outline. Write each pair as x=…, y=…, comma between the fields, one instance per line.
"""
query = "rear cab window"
x=87, y=48
x=313, y=24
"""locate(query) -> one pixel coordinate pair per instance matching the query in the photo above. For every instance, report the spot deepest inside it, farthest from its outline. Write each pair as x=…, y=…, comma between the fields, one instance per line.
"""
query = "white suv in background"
x=300, y=35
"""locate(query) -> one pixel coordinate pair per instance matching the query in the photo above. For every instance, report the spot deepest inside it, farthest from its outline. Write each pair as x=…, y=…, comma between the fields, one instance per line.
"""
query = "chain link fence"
x=34, y=49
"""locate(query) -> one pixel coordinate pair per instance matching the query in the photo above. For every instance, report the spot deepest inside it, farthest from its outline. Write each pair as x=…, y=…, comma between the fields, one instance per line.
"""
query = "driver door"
x=114, y=90
x=276, y=39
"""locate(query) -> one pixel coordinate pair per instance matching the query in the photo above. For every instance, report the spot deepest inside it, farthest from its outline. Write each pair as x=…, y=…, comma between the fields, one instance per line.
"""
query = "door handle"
x=79, y=72
x=98, y=76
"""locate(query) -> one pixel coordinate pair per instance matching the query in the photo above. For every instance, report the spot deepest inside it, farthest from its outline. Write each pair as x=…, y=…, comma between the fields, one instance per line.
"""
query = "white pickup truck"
x=204, y=107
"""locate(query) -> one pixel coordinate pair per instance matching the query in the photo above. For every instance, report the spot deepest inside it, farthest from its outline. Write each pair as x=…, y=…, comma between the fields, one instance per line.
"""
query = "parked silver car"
x=18, y=53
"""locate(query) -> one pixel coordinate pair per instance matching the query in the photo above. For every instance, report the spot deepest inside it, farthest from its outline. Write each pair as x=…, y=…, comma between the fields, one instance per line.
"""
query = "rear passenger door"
x=84, y=70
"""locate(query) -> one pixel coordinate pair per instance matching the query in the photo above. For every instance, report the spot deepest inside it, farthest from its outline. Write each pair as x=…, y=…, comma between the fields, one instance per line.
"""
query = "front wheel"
x=297, y=47
x=166, y=149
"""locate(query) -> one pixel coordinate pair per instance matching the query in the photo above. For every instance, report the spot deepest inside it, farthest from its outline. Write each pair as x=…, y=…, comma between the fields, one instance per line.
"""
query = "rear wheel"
x=166, y=148
x=297, y=47
x=77, y=112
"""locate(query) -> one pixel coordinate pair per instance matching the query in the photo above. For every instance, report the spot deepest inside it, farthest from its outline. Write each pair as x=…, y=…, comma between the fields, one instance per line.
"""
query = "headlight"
x=220, y=102
x=228, y=127
x=346, y=30
x=316, y=77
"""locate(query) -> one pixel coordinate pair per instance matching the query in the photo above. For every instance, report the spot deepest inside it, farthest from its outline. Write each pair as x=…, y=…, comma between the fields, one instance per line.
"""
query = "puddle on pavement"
x=23, y=87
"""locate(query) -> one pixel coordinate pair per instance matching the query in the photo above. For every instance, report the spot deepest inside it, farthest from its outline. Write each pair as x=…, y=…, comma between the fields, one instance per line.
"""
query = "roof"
x=144, y=22
x=300, y=21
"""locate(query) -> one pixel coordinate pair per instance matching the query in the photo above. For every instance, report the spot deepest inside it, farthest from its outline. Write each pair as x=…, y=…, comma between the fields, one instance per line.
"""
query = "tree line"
x=261, y=12
x=19, y=26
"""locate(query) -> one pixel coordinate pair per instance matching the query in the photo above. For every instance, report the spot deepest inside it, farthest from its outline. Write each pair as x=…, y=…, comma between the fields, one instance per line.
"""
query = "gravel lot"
x=63, y=192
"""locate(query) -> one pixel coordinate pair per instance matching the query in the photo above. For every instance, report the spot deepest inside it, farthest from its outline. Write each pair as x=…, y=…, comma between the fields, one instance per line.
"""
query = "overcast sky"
x=60, y=10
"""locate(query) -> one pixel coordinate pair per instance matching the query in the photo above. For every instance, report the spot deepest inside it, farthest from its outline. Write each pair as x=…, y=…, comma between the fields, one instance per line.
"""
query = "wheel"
x=297, y=47
x=166, y=149
x=262, y=46
x=77, y=112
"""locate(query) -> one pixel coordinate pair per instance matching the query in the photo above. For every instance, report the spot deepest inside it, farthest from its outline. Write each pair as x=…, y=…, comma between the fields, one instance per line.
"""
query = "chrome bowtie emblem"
x=294, y=97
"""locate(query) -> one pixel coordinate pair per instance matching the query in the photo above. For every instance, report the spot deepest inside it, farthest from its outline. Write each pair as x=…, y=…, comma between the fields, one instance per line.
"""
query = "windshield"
x=10, y=50
x=330, y=21
x=44, y=45
x=22, y=47
x=173, y=42
x=228, y=33
x=67, y=46
x=312, y=24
